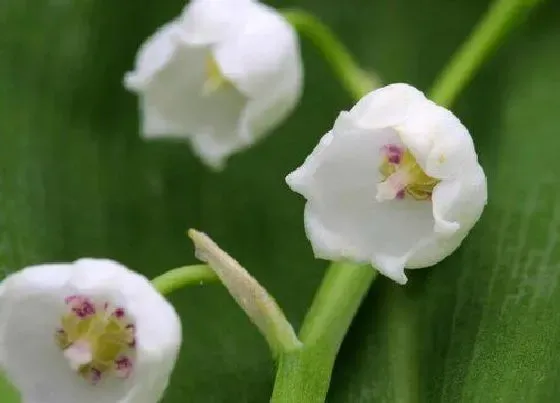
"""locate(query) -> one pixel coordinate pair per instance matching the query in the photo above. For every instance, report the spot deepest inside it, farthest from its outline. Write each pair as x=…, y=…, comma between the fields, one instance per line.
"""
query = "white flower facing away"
x=395, y=183
x=91, y=331
x=222, y=74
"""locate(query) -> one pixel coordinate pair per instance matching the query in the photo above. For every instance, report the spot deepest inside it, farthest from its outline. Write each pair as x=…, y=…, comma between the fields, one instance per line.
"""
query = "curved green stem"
x=500, y=19
x=336, y=302
x=304, y=375
x=354, y=79
x=180, y=277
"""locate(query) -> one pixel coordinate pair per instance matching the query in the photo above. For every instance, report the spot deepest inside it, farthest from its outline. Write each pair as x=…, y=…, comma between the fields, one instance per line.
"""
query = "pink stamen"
x=393, y=153
x=393, y=187
x=123, y=366
x=94, y=375
x=132, y=330
x=114, y=327
x=81, y=306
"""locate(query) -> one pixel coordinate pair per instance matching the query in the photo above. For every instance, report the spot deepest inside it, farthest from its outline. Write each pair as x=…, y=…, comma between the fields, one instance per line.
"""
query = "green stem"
x=354, y=79
x=500, y=19
x=304, y=375
x=184, y=276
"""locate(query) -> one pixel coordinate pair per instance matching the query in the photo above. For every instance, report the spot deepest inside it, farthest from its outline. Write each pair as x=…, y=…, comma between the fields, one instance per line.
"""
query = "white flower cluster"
x=395, y=183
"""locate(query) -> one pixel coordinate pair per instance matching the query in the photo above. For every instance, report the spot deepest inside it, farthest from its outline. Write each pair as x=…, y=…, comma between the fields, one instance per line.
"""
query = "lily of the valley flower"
x=91, y=331
x=222, y=74
x=395, y=183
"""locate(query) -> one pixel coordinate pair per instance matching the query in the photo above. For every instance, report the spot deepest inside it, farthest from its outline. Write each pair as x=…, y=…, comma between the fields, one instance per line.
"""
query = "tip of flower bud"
x=249, y=294
x=197, y=237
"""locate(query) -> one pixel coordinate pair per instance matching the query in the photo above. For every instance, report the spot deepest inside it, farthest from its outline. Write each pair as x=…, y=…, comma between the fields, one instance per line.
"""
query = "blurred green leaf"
x=7, y=392
x=76, y=180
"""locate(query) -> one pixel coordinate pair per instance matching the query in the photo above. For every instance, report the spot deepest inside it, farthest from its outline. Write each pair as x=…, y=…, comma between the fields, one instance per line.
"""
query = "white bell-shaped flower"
x=395, y=183
x=221, y=75
x=91, y=331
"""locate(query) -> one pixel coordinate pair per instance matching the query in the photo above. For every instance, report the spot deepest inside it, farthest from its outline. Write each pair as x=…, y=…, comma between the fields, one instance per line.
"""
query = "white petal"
x=205, y=22
x=460, y=208
x=384, y=235
x=302, y=177
x=340, y=159
x=438, y=140
x=156, y=124
x=34, y=298
x=215, y=147
x=387, y=106
x=260, y=54
x=268, y=71
x=153, y=56
x=264, y=113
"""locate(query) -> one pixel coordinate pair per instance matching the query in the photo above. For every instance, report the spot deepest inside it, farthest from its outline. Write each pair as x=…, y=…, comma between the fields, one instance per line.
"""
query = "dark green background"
x=76, y=180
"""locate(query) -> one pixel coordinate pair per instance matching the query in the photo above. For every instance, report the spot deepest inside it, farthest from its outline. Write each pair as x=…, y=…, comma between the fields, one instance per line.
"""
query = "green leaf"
x=76, y=180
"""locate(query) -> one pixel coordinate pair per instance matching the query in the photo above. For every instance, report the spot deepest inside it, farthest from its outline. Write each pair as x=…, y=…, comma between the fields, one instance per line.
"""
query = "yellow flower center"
x=215, y=80
x=96, y=339
x=403, y=176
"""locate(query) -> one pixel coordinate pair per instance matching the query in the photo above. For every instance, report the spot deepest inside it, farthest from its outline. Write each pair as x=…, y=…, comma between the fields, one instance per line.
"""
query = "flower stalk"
x=355, y=80
x=304, y=375
x=180, y=277
x=500, y=19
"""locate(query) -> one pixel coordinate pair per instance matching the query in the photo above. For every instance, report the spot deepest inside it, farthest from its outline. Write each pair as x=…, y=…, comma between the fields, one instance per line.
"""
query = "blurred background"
x=76, y=180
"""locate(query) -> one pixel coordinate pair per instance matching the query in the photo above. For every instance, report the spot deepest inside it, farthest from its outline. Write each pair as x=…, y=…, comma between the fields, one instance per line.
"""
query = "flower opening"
x=403, y=176
x=96, y=338
x=215, y=79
